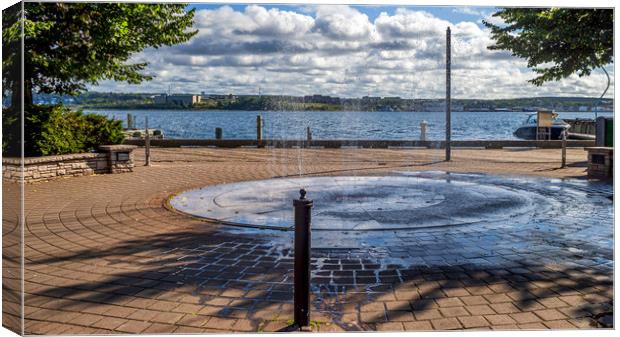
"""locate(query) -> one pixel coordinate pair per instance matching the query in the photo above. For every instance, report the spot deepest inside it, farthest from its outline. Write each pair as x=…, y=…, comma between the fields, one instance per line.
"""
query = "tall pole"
x=448, y=99
x=147, y=142
x=259, y=130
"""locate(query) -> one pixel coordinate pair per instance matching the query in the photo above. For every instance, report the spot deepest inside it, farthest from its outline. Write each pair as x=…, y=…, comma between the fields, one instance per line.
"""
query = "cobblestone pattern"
x=104, y=256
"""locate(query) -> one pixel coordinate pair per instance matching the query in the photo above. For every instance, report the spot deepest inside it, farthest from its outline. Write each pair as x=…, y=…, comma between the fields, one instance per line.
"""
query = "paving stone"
x=449, y=302
x=418, y=326
x=132, y=326
x=390, y=326
x=193, y=320
x=473, y=321
x=480, y=310
x=532, y=326
x=373, y=317
x=497, y=298
x=187, y=308
x=551, y=302
x=455, y=292
x=244, y=325
x=446, y=324
x=499, y=319
x=220, y=323
x=399, y=316
x=454, y=311
x=504, y=308
x=189, y=330
x=372, y=307
x=167, y=317
x=427, y=314
x=525, y=317
x=549, y=314
x=397, y=305
x=473, y=300
x=559, y=324
x=86, y=319
x=110, y=323
x=158, y=328
x=582, y=323
x=143, y=315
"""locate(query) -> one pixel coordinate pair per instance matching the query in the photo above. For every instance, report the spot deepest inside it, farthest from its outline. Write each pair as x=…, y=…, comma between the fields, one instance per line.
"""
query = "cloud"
x=342, y=22
x=338, y=50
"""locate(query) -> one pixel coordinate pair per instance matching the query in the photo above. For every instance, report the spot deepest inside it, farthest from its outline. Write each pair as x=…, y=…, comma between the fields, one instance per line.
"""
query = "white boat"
x=528, y=129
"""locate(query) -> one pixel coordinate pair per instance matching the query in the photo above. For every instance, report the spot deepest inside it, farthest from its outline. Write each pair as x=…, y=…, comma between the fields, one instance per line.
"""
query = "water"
x=331, y=125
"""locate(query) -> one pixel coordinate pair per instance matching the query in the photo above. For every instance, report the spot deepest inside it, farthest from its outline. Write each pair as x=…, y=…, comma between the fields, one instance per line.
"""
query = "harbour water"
x=331, y=125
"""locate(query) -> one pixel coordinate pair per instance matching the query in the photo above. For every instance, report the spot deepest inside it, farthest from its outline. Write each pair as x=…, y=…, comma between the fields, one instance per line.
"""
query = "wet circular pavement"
x=393, y=205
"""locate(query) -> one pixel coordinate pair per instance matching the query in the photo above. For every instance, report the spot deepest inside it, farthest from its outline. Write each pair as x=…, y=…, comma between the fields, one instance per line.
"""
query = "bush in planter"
x=51, y=130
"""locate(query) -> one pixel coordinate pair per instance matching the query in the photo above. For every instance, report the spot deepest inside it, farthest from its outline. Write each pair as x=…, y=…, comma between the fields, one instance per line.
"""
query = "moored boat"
x=529, y=128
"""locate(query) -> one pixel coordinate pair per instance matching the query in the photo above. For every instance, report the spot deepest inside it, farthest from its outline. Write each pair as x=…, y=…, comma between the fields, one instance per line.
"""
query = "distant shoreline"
x=231, y=102
x=313, y=110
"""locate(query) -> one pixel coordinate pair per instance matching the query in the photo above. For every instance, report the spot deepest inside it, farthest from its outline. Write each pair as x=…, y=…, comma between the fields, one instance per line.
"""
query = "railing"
x=363, y=143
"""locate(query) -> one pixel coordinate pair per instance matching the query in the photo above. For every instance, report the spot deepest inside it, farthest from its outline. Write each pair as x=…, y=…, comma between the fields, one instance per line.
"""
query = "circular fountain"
x=371, y=203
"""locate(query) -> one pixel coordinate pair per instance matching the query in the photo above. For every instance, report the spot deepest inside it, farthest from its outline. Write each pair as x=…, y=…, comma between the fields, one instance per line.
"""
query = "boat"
x=527, y=130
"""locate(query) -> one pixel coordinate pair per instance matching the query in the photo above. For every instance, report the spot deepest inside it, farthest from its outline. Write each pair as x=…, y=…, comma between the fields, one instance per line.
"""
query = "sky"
x=346, y=51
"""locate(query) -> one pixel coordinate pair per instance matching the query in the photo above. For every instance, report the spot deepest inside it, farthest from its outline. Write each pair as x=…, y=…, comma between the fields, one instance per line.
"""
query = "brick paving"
x=103, y=255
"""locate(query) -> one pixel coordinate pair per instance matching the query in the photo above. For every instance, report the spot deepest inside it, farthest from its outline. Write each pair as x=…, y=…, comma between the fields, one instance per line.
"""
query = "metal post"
x=129, y=122
x=423, y=126
x=308, y=136
x=448, y=99
x=218, y=133
x=147, y=142
x=303, y=208
x=564, y=149
x=259, y=130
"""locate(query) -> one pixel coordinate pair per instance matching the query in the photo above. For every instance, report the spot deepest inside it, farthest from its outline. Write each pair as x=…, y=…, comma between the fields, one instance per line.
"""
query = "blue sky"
x=347, y=51
x=453, y=14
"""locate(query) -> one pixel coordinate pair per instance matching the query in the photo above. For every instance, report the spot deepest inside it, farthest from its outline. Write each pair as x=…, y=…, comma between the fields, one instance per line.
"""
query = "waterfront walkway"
x=103, y=254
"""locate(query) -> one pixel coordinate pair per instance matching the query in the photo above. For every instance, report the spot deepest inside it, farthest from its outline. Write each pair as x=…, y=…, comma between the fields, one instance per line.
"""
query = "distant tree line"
x=298, y=103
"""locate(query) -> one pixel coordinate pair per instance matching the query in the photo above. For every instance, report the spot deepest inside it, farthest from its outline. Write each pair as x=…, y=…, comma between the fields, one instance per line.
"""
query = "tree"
x=69, y=45
x=556, y=42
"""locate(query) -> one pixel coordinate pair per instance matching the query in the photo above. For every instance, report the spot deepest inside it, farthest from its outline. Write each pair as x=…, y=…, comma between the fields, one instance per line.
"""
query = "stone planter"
x=109, y=159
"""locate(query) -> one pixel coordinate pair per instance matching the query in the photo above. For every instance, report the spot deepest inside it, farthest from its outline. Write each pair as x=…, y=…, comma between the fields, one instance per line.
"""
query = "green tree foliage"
x=59, y=130
x=69, y=45
x=556, y=42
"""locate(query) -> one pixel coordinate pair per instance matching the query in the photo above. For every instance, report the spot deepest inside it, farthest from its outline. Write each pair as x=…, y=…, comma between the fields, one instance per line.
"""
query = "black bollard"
x=218, y=133
x=302, y=207
x=259, y=131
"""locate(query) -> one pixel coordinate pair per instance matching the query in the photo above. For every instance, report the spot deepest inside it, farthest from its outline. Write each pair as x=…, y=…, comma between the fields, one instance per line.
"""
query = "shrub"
x=51, y=130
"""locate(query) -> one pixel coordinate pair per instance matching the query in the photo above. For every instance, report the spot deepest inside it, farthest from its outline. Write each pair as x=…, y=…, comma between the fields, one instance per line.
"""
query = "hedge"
x=54, y=130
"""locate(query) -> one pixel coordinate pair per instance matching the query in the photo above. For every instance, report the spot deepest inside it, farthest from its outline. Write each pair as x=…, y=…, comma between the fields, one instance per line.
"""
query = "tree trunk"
x=27, y=94
x=16, y=95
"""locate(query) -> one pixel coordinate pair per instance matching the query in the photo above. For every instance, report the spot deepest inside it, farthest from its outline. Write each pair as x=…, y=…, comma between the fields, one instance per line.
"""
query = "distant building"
x=160, y=99
x=182, y=99
x=322, y=99
x=373, y=99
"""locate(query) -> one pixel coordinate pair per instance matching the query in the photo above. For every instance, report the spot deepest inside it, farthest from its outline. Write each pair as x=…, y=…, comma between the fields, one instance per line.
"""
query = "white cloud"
x=342, y=22
x=337, y=50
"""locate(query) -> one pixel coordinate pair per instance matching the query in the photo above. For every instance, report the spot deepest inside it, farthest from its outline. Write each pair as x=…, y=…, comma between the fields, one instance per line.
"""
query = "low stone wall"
x=109, y=159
